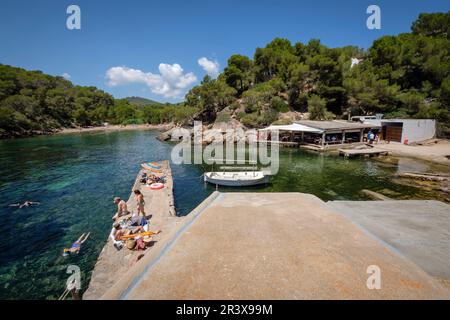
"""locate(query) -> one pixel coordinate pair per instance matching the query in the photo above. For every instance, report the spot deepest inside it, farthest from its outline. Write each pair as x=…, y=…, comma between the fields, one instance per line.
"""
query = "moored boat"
x=236, y=178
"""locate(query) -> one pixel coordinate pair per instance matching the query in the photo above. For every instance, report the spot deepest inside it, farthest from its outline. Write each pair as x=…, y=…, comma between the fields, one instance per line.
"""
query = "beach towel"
x=146, y=166
x=153, y=165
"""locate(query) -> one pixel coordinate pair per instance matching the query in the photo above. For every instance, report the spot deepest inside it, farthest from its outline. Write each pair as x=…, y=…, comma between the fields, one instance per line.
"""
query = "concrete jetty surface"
x=363, y=152
x=272, y=246
x=417, y=229
x=159, y=207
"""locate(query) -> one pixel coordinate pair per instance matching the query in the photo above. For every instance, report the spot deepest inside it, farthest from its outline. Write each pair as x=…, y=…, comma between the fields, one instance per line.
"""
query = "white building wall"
x=374, y=122
x=418, y=130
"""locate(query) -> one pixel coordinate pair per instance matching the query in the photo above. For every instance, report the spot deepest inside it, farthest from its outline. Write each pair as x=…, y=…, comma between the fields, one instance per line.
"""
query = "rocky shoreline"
x=159, y=127
x=232, y=131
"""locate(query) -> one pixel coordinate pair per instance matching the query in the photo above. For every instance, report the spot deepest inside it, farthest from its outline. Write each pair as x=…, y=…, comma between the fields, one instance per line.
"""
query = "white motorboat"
x=236, y=178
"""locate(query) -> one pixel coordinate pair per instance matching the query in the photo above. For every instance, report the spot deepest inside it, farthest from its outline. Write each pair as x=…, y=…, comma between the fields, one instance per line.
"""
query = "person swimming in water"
x=76, y=246
x=27, y=203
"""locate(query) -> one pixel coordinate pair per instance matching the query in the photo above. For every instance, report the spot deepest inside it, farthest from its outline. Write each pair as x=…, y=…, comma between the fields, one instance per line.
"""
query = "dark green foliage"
x=167, y=113
x=432, y=24
x=238, y=73
x=211, y=97
x=140, y=102
x=317, y=108
x=33, y=102
x=274, y=60
x=445, y=92
x=279, y=104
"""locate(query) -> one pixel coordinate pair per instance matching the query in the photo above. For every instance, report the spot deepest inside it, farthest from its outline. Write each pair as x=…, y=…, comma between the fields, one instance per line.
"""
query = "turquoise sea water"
x=75, y=177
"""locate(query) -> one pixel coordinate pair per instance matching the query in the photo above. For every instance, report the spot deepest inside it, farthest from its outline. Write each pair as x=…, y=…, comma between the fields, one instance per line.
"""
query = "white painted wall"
x=416, y=130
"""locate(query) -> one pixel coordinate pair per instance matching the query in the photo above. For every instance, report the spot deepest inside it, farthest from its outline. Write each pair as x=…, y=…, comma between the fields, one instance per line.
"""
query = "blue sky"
x=121, y=44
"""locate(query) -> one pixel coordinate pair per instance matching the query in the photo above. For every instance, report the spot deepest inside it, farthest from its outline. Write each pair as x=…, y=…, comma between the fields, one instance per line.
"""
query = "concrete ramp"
x=272, y=246
x=418, y=229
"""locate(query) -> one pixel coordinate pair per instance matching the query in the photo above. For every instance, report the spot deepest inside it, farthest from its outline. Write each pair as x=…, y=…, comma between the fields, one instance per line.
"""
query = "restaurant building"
x=321, y=134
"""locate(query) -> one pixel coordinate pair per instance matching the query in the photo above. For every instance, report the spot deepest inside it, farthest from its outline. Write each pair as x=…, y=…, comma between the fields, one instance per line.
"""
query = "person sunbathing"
x=151, y=179
x=117, y=232
x=76, y=246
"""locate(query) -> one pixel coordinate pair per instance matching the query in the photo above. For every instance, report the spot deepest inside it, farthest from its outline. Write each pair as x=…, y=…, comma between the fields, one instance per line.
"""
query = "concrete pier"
x=159, y=207
x=275, y=246
x=348, y=153
x=417, y=229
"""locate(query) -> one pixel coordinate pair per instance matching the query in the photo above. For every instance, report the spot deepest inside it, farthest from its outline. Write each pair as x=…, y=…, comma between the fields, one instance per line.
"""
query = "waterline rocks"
x=232, y=131
x=374, y=195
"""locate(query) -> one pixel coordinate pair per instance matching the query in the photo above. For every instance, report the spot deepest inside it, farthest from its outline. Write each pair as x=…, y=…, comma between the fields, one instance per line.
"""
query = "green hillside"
x=140, y=102
x=406, y=76
x=32, y=102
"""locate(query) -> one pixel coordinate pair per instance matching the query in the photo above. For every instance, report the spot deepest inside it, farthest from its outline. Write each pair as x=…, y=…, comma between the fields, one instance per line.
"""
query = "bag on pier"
x=130, y=243
x=140, y=244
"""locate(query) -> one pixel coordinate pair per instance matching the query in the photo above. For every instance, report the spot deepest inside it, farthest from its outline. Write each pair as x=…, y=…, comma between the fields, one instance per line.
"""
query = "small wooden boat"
x=236, y=178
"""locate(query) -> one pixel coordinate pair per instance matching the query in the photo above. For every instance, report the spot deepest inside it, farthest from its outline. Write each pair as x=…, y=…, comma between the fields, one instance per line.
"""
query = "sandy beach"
x=161, y=127
x=436, y=152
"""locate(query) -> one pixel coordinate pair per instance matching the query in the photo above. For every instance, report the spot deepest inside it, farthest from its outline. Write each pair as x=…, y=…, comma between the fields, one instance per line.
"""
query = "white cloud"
x=66, y=76
x=210, y=67
x=171, y=82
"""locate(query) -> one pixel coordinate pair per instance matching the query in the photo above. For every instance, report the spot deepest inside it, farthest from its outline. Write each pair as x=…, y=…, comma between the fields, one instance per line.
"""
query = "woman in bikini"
x=140, y=202
x=76, y=246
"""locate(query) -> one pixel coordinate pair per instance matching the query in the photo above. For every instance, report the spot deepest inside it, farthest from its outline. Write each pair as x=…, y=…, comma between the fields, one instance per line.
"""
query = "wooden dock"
x=349, y=153
x=160, y=209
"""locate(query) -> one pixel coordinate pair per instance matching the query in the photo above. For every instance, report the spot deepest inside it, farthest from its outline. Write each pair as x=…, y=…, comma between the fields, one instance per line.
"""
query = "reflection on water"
x=75, y=178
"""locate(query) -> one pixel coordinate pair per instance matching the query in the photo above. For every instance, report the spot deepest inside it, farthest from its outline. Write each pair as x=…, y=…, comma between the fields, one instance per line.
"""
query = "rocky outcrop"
x=167, y=132
x=181, y=134
x=164, y=136
x=231, y=131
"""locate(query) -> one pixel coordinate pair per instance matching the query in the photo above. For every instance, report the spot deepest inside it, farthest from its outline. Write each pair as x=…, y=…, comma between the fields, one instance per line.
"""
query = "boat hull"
x=237, y=181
